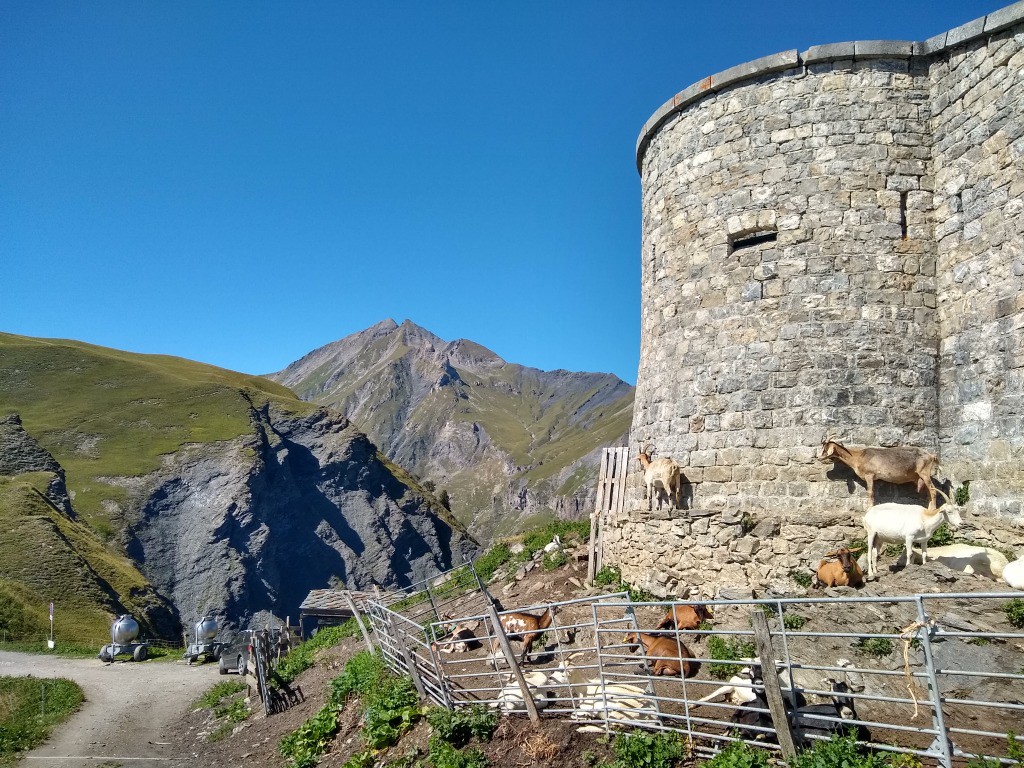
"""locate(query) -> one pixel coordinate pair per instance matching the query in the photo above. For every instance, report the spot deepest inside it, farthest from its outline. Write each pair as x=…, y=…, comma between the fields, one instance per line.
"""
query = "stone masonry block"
x=883, y=49
x=1004, y=17
x=830, y=52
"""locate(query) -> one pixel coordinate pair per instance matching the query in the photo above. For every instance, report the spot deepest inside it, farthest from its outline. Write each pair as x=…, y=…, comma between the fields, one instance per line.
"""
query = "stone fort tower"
x=832, y=239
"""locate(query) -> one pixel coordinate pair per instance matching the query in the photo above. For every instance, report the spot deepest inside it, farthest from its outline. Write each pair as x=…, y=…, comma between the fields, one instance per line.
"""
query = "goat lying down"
x=1013, y=574
x=983, y=561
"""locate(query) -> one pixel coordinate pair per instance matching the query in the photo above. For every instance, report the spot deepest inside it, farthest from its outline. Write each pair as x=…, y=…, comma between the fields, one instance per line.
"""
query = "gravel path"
x=129, y=710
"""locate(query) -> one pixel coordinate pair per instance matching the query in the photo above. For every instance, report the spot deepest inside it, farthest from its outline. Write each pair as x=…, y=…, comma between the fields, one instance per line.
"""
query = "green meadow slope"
x=104, y=414
x=189, y=490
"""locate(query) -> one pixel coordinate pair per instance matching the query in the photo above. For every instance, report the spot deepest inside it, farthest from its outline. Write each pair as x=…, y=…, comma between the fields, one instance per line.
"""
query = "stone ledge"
x=996, y=21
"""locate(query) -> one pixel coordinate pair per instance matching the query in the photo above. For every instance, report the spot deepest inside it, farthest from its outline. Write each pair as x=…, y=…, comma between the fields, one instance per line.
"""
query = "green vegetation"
x=301, y=657
x=459, y=726
x=874, y=646
x=102, y=414
x=1014, y=610
x=607, y=576
x=453, y=730
x=30, y=708
x=488, y=563
x=727, y=649
x=648, y=750
x=803, y=578
x=228, y=706
x=740, y=755
x=555, y=560
x=390, y=707
x=793, y=621
x=942, y=536
x=1014, y=751
x=837, y=751
x=962, y=493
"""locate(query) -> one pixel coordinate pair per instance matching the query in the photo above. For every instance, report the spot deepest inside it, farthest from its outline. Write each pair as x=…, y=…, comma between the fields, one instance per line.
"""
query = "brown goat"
x=661, y=476
x=524, y=627
x=892, y=465
x=685, y=617
x=843, y=572
x=665, y=652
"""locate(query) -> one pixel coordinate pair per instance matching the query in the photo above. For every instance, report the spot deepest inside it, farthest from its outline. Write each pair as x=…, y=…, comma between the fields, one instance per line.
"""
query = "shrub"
x=458, y=726
x=444, y=755
x=803, y=578
x=300, y=658
x=554, y=560
x=793, y=620
x=607, y=576
x=306, y=744
x=739, y=755
x=942, y=536
x=392, y=711
x=962, y=494
x=837, y=751
x=361, y=675
x=648, y=750
x=727, y=650
x=488, y=563
x=874, y=646
x=1014, y=610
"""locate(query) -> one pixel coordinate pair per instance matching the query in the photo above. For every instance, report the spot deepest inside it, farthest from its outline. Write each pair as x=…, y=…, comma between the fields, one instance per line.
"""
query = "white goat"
x=1013, y=574
x=541, y=685
x=906, y=523
x=661, y=476
x=966, y=558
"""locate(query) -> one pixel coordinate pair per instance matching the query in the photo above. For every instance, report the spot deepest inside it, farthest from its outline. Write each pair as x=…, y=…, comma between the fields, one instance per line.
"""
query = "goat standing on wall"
x=661, y=476
x=893, y=465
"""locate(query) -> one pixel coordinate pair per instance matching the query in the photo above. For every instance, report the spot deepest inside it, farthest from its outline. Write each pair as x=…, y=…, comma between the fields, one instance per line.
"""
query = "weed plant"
x=739, y=755
x=803, y=578
x=878, y=647
x=444, y=755
x=648, y=750
x=793, y=621
x=459, y=726
x=726, y=650
x=1014, y=610
x=213, y=697
x=835, y=752
x=300, y=658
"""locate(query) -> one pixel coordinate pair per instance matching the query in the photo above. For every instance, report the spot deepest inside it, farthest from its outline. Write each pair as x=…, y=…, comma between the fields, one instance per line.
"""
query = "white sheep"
x=969, y=559
x=906, y=523
x=1013, y=573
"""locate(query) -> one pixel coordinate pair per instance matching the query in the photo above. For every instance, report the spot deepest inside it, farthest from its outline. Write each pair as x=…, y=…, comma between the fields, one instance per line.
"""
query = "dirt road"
x=128, y=712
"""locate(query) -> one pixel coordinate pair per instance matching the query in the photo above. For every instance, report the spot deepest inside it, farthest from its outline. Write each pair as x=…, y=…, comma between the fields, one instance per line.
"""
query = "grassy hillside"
x=45, y=557
x=105, y=416
x=103, y=413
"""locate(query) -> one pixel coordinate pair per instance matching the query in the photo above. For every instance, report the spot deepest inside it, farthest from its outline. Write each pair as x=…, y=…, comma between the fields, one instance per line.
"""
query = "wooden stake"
x=359, y=620
x=517, y=673
x=776, y=706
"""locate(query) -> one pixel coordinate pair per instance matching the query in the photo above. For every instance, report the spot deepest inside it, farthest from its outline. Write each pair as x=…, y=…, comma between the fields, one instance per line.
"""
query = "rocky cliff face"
x=20, y=453
x=505, y=441
x=251, y=525
x=229, y=495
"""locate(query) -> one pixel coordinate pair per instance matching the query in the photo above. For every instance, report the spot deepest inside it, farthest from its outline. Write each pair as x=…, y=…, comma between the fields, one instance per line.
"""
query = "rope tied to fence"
x=908, y=634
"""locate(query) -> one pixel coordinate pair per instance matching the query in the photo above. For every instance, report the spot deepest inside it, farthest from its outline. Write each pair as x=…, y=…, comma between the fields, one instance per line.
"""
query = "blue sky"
x=240, y=183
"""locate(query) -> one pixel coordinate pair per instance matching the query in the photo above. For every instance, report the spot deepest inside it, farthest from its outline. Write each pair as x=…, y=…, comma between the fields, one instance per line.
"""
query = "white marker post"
x=49, y=643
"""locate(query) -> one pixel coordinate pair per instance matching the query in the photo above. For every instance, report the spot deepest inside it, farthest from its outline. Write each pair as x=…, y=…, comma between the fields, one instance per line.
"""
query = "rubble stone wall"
x=832, y=240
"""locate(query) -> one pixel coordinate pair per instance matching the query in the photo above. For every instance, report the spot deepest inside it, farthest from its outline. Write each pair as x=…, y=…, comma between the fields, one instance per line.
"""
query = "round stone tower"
x=789, y=287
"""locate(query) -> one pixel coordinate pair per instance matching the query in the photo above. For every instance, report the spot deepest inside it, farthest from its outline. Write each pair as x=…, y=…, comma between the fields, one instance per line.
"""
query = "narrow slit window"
x=753, y=239
x=903, y=215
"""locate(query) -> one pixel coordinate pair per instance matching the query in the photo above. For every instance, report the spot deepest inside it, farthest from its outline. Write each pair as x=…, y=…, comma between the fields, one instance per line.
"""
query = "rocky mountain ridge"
x=208, y=491
x=505, y=441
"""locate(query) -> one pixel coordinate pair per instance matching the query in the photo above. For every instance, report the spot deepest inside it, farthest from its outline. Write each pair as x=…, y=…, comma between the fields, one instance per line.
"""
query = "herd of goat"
x=594, y=697
x=906, y=524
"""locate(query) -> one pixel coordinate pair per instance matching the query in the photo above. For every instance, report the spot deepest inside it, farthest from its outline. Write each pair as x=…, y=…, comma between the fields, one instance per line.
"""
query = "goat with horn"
x=891, y=465
x=662, y=476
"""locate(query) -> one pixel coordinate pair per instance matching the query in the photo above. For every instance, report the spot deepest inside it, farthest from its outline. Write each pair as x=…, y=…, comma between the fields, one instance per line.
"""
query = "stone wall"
x=831, y=240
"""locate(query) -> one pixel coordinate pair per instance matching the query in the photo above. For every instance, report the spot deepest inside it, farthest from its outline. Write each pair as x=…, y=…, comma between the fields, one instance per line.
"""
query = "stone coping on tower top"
x=858, y=50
